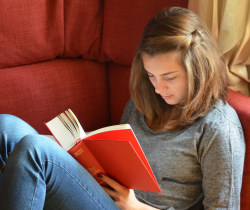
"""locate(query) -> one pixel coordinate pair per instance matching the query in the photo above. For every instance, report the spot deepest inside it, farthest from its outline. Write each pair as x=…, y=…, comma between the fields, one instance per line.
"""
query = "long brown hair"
x=178, y=29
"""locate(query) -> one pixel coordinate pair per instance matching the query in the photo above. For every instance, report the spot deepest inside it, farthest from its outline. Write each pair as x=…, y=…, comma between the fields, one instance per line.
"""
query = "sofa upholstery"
x=75, y=54
x=241, y=104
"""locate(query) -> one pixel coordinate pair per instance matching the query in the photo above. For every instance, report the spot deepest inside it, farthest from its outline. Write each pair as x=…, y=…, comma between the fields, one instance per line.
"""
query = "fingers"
x=110, y=192
x=112, y=183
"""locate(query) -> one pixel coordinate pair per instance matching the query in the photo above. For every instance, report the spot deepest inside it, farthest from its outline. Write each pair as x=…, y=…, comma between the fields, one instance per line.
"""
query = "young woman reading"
x=191, y=137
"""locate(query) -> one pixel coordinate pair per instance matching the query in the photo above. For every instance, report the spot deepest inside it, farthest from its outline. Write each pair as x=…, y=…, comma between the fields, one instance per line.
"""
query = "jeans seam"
x=34, y=194
x=73, y=179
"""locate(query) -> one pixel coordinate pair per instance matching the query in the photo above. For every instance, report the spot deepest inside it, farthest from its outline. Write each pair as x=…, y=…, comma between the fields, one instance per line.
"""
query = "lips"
x=166, y=97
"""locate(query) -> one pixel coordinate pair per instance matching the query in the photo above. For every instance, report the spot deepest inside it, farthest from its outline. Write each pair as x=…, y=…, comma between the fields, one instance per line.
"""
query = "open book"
x=112, y=150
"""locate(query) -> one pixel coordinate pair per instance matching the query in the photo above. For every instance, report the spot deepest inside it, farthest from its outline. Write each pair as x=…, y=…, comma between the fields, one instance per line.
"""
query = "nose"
x=160, y=87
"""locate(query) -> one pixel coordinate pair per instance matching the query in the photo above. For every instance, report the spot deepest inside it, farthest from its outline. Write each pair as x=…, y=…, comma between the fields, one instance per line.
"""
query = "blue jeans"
x=36, y=173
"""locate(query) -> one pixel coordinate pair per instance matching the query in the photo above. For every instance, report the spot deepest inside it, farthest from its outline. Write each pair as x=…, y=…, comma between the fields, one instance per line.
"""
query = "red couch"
x=76, y=54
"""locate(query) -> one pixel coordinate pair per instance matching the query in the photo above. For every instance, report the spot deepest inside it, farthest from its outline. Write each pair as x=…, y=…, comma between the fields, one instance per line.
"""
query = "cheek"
x=181, y=87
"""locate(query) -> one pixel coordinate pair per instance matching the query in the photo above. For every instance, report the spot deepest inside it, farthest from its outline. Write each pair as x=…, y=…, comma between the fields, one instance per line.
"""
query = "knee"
x=14, y=126
x=36, y=141
x=30, y=152
x=7, y=119
x=37, y=144
x=34, y=148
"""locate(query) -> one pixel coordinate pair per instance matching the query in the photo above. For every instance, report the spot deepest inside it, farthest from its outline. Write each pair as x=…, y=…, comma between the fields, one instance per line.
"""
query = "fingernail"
x=99, y=175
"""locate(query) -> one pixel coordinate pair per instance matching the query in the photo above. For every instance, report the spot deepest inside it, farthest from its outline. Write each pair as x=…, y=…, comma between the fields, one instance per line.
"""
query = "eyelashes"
x=170, y=79
x=167, y=78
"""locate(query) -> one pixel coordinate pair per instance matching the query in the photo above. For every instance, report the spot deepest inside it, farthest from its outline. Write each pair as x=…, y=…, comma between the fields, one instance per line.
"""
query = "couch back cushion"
x=83, y=28
x=107, y=30
x=34, y=31
x=37, y=93
x=30, y=31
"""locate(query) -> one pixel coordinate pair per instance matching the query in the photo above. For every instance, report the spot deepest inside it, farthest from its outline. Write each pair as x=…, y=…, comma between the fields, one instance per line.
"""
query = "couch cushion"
x=241, y=104
x=83, y=28
x=123, y=25
x=30, y=31
x=118, y=90
x=37, y=93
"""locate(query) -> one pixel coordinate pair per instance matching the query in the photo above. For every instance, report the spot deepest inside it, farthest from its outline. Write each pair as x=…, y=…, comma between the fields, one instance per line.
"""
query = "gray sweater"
x=201, y=165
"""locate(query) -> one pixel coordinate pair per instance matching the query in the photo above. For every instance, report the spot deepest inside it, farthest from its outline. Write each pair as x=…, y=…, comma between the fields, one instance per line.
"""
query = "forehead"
x=163, y=63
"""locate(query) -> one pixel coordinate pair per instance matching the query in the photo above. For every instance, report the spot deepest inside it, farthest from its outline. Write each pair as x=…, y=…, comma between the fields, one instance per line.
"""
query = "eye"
x=170, y=79
x=150, y=75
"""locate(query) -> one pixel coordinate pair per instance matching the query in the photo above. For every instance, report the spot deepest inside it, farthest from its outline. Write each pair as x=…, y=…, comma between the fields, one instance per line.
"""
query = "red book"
x=112, y=150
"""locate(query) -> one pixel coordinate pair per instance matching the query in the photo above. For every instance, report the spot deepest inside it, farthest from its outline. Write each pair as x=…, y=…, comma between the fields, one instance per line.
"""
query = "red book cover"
x=124, y=135
x=123, y=164
x=118, y=154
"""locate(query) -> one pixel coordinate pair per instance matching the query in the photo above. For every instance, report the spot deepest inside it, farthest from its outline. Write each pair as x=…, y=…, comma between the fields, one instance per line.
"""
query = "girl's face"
x=167, y=76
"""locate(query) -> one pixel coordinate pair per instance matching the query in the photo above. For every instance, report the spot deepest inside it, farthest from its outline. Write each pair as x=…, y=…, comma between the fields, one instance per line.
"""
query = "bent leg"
x=12, y=130
x=40, y=174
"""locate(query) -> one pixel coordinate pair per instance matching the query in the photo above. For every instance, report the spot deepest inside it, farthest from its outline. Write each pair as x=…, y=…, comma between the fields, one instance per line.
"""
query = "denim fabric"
x=39, y=174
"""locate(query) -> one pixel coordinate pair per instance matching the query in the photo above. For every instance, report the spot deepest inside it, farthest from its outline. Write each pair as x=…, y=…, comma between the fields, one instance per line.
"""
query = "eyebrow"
x=163, y=74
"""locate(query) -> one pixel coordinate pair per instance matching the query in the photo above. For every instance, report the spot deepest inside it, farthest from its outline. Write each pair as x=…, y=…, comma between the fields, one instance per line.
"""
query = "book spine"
x=82, y=154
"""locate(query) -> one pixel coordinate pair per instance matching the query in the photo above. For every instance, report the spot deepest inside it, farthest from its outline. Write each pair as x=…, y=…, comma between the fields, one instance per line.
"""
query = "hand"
x=123, y=197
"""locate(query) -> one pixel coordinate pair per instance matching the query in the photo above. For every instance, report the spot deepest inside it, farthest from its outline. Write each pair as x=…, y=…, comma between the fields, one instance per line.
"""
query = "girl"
x=191, y=137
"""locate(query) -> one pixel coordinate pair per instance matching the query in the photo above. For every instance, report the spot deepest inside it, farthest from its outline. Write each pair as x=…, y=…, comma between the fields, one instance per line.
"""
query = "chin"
x=171, y=102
